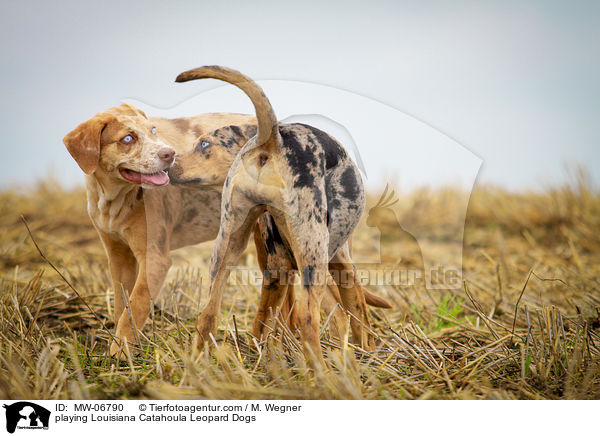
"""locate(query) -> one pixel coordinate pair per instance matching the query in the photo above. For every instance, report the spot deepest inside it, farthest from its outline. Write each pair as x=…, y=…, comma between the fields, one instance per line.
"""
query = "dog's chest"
x=110, y=216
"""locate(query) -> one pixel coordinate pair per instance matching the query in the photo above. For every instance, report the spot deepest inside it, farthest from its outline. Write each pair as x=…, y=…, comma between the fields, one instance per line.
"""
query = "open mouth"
x=155, y=179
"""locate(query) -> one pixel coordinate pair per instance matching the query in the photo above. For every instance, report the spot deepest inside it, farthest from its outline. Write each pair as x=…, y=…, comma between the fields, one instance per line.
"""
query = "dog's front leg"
x=333, y=308
x=151, y=275
x=123, y=270
x=272, y=294
x=150, y=246
x=277, y=279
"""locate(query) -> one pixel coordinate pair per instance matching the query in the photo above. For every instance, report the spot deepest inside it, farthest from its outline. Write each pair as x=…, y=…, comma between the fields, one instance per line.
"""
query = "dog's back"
x=312, y=155
x=181, y=133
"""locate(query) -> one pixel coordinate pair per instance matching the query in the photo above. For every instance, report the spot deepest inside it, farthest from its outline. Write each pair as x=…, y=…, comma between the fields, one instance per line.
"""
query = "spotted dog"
x=206, y=166
x=312, y=190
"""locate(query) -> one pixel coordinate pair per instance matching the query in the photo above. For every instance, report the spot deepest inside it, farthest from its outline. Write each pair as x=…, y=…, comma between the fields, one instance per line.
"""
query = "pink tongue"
x=155, y=179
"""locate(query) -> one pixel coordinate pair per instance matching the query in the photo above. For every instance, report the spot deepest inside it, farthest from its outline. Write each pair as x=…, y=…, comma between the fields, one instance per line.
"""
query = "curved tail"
x=268, y=133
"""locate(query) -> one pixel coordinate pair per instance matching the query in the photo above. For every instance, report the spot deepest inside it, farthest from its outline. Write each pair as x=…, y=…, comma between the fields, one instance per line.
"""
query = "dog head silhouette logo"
x=26, y=415
x=383, y=217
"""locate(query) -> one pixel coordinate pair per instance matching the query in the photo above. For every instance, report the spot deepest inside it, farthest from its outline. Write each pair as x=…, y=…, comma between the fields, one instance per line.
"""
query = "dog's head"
x=213, y=153
x=123, y=144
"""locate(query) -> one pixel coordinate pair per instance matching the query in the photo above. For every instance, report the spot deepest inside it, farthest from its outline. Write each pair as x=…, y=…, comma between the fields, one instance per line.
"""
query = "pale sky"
x=511, y=85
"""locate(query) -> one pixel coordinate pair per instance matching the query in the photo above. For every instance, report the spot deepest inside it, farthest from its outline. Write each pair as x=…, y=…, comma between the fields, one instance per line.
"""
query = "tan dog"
x=124, y=154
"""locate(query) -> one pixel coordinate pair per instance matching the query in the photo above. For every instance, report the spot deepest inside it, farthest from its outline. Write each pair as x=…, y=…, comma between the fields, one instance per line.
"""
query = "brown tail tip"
x=376, y=301
x=205, y=72
x=183, y=77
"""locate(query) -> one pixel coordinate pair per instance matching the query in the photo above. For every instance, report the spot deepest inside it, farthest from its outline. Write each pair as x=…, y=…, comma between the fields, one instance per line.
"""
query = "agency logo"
x=24, y=415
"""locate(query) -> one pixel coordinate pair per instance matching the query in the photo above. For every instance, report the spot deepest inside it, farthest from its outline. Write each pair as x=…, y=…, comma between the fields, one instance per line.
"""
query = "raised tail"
x=268, y=133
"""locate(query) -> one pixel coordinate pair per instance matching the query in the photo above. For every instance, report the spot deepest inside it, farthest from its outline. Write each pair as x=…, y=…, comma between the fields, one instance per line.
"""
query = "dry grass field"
x=525, y=324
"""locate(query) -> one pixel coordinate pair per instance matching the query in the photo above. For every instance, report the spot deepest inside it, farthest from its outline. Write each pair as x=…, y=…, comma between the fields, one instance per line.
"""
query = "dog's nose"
x=166, y=154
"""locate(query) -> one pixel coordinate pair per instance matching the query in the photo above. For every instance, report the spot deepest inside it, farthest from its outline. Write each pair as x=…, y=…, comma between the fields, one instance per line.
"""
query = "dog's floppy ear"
x=84, y=142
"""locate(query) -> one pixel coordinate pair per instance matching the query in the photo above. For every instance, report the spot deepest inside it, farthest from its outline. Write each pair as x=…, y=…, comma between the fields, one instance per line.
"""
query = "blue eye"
x=154, y=130
x=205, y=144
x=127, y=139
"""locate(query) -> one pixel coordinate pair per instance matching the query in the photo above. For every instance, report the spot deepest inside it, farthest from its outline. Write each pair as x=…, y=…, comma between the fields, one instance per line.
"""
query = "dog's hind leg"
x=236, y=227
x=308, y=240
x=352, y=295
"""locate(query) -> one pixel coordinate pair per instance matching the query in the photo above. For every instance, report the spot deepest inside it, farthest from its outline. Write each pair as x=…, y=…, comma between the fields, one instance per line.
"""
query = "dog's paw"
x=205, y=327
x=120, y=346
x=370, y=344
x=115, y=349
x=258, y=326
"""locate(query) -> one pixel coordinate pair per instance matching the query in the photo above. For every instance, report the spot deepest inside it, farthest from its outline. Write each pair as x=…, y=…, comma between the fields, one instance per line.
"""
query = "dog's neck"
x=110, y=202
